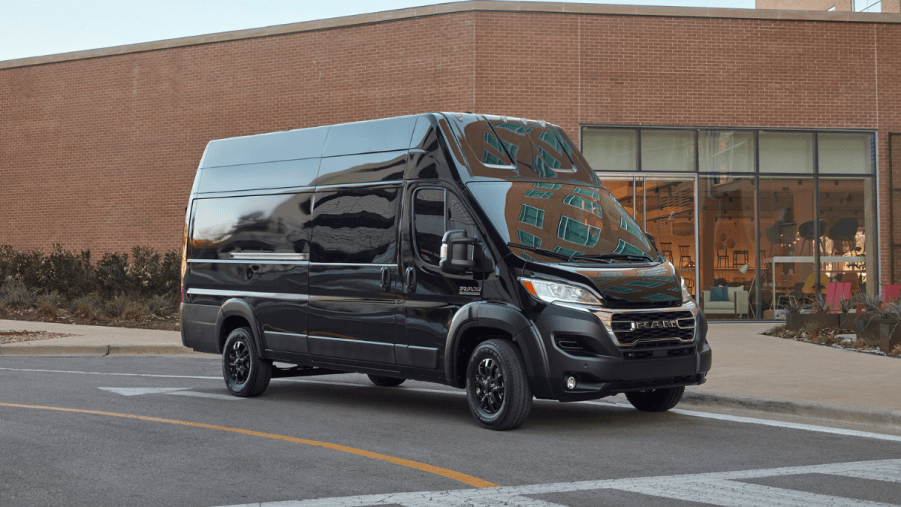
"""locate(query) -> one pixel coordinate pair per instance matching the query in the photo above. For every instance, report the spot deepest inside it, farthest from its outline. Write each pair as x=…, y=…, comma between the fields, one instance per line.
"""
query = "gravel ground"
x=27, y=336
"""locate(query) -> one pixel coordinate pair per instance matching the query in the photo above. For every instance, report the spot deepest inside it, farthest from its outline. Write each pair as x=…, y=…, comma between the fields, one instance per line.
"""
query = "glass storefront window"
x=610, y=149
x=727, y=225
x=814, y=194
x=848, y=217
x=786, y=210
x=786, y=152
x=845, y=153
x=668, y=150
x=726, y=151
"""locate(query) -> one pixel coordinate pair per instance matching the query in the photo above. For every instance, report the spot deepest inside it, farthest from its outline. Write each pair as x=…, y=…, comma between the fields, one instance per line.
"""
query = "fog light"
x=570, y=382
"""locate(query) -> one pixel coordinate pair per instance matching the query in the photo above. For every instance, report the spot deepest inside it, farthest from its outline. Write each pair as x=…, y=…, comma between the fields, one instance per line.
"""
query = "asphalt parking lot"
x=157, y=430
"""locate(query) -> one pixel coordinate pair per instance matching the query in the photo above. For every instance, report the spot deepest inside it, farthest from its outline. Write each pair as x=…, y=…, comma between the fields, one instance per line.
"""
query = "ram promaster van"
x=475, y=251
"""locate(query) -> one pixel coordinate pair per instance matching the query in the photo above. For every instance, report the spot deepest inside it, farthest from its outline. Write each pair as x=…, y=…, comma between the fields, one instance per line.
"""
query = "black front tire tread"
x=260, y=370
x=518, y=393
x=656, y=400
x=386, y=381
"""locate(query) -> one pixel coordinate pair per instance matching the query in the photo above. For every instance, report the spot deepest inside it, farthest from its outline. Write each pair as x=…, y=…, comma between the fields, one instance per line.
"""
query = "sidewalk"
x=750, y=370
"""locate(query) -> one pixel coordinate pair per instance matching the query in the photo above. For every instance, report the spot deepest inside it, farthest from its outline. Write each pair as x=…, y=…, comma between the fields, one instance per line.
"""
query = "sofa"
x=737, y=305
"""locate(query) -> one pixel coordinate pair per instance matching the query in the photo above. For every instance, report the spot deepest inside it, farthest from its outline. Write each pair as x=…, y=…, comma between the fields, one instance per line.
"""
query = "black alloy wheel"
x=246, y=375
x=656, y=400
x=497, y=388
x=386, y=381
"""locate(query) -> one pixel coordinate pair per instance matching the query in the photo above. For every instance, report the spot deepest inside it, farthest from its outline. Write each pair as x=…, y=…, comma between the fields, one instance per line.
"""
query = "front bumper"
x=584, y=344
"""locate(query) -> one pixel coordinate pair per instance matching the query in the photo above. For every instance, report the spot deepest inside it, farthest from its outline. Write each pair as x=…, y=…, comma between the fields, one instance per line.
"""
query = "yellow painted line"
x=450, y=474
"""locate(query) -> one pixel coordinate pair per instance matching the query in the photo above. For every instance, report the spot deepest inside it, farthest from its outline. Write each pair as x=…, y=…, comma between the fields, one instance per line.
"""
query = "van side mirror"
x=651, y=239
x=455, y=257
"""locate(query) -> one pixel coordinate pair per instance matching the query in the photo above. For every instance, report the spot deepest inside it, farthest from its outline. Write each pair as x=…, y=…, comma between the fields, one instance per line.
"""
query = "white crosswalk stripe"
x=739, y=494
x=717, y=488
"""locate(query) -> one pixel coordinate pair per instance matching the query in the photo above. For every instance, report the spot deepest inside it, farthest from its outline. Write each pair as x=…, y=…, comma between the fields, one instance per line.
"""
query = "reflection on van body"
x=475, y=251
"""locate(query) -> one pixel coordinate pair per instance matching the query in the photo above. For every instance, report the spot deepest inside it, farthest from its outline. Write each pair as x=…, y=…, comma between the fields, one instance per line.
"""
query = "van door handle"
x=410, y=276
x=386, y=278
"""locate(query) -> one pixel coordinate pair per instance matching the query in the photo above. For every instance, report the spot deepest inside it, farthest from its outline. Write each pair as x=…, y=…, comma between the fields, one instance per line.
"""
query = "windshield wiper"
x=615, y=257
x=542, y=251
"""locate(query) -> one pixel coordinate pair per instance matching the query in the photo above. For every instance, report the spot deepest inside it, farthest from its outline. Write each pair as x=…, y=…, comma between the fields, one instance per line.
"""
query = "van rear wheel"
x=246, y=375
x=386, y=381
x=497, y=387
x=656, y=400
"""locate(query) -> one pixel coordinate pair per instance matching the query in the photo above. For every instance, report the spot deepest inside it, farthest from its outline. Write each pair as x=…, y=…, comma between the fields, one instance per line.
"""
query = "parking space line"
x=450, y=474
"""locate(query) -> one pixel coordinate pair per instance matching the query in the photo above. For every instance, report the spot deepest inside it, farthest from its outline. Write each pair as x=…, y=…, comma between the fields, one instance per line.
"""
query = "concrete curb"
x=814, y=409
x=95, y=350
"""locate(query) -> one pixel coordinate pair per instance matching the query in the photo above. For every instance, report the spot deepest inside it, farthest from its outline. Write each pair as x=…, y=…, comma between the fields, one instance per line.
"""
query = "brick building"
x=704, y=122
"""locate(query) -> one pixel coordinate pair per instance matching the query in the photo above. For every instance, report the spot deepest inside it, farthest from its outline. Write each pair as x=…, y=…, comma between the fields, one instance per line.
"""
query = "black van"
x=475, y=251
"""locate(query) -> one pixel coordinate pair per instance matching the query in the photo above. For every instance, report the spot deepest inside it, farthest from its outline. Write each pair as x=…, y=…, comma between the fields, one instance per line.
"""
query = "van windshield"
x=563, y=222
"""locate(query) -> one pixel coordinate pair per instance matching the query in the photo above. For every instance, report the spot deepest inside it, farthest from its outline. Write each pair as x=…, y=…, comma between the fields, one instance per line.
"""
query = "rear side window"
x=436, y=211
x=259, y=223
x=356, y=225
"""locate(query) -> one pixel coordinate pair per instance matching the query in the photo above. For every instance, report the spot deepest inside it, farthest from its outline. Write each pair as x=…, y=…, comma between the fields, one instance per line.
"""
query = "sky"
x=46, y=27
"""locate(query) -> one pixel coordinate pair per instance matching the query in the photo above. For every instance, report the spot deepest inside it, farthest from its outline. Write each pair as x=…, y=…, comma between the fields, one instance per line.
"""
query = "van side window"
x=259, y=223
x=436, y=211
x=428, y=220
x=355, y=226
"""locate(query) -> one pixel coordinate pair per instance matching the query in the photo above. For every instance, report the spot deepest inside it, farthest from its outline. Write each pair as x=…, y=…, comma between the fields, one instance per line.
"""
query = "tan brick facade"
x=99, y=150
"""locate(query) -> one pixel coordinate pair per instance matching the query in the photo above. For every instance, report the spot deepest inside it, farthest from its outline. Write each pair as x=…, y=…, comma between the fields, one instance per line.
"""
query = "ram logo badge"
x=654, y=324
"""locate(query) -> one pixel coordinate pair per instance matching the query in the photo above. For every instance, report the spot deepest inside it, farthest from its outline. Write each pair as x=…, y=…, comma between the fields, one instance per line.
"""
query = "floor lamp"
x=751, y=308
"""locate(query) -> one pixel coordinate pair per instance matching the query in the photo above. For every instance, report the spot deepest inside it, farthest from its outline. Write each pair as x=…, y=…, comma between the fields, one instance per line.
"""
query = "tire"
x=497, y=388
x=386, y=381
x=656, y=400
x=246, y=375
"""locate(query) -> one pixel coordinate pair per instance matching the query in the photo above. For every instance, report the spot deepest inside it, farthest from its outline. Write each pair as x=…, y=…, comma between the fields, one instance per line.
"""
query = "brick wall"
x=100, y=153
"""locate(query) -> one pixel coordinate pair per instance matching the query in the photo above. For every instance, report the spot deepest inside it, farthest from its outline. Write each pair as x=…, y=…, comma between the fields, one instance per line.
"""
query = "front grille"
x=630, y=329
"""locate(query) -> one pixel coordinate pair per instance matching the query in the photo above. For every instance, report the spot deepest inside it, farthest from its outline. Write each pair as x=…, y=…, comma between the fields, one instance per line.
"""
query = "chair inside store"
x=666, y=249
x=807, y=232
x=844, y=231
x=782, y=236
x=735, y=304
x=810, y=284
x=685, y=260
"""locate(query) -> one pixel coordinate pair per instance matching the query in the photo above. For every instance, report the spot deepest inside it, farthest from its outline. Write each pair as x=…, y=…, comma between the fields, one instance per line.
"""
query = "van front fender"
x=510, y=320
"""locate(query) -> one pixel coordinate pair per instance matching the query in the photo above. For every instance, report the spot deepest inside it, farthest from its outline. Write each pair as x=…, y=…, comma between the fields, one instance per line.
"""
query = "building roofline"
x=455, y=8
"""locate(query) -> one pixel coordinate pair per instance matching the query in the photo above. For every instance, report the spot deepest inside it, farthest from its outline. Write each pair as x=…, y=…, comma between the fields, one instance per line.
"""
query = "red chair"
x=835, y=294
x=890, y=292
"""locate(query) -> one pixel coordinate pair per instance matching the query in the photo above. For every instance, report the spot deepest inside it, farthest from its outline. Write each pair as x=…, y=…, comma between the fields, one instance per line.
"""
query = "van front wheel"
x=655, y=400
x=246, y=375
x=497, y=387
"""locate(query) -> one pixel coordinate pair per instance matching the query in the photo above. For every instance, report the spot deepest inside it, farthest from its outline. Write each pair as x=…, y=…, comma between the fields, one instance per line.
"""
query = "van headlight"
x=556, y=292
x=686, y=294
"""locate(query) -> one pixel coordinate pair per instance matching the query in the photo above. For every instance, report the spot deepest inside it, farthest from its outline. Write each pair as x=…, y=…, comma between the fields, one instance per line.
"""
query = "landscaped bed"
x=833, y=337
x=139, y=292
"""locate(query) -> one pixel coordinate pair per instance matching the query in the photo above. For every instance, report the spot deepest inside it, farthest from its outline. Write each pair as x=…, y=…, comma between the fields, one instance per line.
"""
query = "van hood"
x=625, y=286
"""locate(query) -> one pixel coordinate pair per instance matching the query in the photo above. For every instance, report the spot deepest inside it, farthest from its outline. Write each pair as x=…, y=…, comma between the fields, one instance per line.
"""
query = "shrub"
x=88, y=307
x=68, y=273
x=15, y=294
x=112, y=274
x=160, y=306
